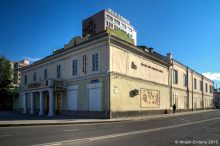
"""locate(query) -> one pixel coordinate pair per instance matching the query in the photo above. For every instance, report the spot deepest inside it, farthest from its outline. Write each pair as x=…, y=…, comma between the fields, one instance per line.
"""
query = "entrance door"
x=95, y=103
x=58, y=103
x=72, y=99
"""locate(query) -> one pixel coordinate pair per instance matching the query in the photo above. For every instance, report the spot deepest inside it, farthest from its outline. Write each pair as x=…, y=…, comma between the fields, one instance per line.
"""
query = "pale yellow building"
x=190, y=90
x=106, y=76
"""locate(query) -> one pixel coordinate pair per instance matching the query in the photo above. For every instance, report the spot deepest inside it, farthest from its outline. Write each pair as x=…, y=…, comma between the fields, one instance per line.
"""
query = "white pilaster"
x=32, y=103
x=51, y=110
x=24, y=103
x=41, y=112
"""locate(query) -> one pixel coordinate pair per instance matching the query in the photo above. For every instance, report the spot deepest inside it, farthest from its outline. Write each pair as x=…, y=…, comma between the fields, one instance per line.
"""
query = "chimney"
x=169, y=56
x=151, y=50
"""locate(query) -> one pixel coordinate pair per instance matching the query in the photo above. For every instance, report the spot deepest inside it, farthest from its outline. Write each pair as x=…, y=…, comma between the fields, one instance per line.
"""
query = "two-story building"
x=103, y=75
x=190, y=90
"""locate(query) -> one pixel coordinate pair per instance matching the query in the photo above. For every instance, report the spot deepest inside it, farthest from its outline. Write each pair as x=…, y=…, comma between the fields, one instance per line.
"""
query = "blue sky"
x=190, y=29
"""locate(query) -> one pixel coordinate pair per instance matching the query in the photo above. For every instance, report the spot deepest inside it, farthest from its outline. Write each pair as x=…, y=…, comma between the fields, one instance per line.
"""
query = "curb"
x=108, y=120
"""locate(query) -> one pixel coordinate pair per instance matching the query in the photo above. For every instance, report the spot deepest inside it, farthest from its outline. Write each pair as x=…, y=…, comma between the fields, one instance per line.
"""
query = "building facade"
x=108, y=20
x=16, y=81
x=106, y=76
x=217, y=97
x=190, y=90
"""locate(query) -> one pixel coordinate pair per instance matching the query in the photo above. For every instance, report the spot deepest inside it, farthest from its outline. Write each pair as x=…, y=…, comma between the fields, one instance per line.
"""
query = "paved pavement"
x=199, y=128
x=13, y=118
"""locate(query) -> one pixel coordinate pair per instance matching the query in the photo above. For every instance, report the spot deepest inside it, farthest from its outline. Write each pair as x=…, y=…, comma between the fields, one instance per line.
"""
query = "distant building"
x=16, y=80
x=217, y=98
x=16, y=67
x=110, y=21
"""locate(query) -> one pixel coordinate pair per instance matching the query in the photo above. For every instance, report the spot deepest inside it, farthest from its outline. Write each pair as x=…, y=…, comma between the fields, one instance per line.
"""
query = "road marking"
x=52, y=144
x=4, y=135
x=71, y=130
x=119, y=126
x=129, y=133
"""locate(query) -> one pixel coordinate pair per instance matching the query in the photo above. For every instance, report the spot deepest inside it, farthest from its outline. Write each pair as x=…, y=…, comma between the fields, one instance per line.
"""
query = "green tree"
x=6, y=74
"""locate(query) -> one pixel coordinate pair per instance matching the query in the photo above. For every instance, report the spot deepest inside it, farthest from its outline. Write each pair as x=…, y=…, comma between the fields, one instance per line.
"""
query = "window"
x=129, y=29
x=123, y=26
x=175, y=76
x=200, y=85
x=111, y=25
x=25, y=79
x=210, y=89
x=116, y=27
x=185, y=79
x=194, y=83
x=58, y=71
x=130, y=36
x=34, y=77
x=117, y=22
x=74, y=67
x=95, y=62
x=45, y=73
x=206, y=87
x=109, y=18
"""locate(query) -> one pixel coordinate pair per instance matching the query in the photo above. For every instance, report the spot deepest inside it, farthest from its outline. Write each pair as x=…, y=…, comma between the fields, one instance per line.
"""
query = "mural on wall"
x=150, y=98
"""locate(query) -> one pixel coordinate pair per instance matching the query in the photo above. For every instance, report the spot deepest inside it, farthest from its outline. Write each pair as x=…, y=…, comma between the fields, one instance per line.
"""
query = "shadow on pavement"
x=15, y=115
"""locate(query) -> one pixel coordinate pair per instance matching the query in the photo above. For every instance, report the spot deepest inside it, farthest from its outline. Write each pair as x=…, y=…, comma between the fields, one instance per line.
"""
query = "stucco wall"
x=66, y=64
x=121, y=100
x=121, y=62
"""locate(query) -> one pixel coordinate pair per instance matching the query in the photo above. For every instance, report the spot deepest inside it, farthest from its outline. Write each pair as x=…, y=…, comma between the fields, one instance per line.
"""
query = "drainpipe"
x=192, y=89
x=171, y=84
x=203, y=93
x=109, y=83
x=187, y=73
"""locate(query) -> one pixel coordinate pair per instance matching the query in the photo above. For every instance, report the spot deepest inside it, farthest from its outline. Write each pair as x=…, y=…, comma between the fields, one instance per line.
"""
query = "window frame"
x=25, y=79
x=45, y=73
x=117, y=22
x=74, y=67
x=34, y=77
x=185, y=79
x=201, y=86
x=109, y=17
x=95, y=62
x=58, y=71
x=195, y=84
x=175, y=76
x=206, y=87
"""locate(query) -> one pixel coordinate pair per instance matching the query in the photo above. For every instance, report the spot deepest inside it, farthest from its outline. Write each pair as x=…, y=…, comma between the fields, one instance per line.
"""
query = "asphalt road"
x=189, y=130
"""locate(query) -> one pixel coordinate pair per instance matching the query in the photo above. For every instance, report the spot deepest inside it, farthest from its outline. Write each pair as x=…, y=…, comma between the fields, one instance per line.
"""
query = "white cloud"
x=213, y=76
x=31, y=59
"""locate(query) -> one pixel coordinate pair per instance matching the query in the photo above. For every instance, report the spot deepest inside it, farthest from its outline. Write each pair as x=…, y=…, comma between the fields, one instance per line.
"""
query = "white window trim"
x=77, y=63
x=99, y=64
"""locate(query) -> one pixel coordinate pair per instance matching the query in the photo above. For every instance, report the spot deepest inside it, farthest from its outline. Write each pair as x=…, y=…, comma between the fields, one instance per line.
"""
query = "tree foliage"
x=6, y=74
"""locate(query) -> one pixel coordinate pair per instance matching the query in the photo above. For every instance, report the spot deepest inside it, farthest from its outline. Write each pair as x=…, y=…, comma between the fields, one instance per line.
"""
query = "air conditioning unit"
x=49, y=83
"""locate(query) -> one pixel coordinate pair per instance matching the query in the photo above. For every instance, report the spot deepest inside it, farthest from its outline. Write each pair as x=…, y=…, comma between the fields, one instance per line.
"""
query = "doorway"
x=58, y=103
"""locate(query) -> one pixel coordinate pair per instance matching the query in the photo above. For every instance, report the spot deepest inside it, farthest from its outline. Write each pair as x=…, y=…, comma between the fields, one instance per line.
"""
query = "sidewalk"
x=8, y=119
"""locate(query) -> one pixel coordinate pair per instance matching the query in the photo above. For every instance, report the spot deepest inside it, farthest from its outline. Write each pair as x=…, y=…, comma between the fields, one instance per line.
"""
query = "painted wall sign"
x=150, y=98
